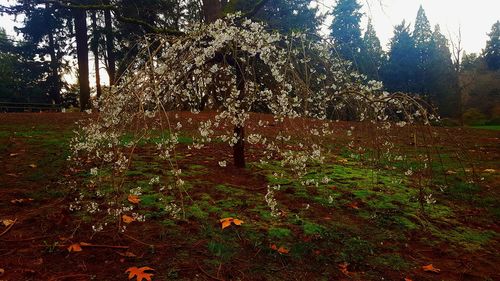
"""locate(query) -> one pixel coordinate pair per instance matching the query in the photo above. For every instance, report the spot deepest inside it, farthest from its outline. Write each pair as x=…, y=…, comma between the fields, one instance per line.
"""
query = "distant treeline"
x=420, y=60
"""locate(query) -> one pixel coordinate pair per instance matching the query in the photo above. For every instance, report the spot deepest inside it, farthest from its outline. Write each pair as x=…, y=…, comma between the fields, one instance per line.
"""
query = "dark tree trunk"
x=108, y=25
x=239, y=147
x=55, y=85
x=95, y=51
x=211, y=10
x=82, y=52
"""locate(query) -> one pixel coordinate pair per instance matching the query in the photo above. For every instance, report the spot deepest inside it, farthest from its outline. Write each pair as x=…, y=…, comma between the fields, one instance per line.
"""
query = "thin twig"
x=137, y=240
x=70, y=276
x=208, y=274
x=28, y=239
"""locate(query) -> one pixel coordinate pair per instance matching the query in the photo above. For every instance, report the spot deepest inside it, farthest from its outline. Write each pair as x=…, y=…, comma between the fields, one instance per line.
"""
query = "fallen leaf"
x=13, y=154
x=431, y=268
x=134, y=199
x=353, y=205
x=225, y=222
x=7, y=222
x=127, y=219
x=22, y=200
x=33, y=166
x=237, y=221
x=283, y=250
x=139, y=273
x=489, y=170
x=85, y=244
x=408, y=279
x=127, y=254
x=75, y=248
x=343, y=268
x=12, y=175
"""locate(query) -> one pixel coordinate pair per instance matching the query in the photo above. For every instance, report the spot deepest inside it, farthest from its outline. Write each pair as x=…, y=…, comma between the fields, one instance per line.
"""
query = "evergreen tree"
x=492, y=50
x=422, y=37
x=45, y=30
x=345, y=29
x=372, y=54
x=442, y=77
x=399, y=72
x=282, y=15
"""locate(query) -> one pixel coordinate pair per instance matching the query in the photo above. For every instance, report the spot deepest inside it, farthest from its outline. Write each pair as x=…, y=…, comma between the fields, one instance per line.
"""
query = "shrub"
x=474, y=117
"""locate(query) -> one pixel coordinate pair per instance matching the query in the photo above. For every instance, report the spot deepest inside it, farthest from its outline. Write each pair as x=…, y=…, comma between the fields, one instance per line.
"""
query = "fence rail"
x=29, y=107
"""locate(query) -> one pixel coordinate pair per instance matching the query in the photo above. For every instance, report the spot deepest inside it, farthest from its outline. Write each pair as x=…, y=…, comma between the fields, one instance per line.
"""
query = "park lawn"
x=361, y=224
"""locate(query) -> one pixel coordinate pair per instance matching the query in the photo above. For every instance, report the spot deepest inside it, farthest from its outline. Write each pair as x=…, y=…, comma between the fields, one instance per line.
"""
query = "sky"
x=474, y=17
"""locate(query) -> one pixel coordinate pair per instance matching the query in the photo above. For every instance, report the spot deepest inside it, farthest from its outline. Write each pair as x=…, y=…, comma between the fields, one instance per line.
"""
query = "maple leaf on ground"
x=343, y=268
x=127, y=219
x=225, y=222
x=22, y=200
x=237, y=221
x=134, y=199
x=75, y=248
x=127, y=254
x=353, y=205
x=139, y=273
x=431, y=268
x=7, y=222
x=281, y=249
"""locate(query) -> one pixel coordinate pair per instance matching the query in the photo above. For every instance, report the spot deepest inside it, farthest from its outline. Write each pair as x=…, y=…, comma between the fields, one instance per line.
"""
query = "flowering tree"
x=234, y=67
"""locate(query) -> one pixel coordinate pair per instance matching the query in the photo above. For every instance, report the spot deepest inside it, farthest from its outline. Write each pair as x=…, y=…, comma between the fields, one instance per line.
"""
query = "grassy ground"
x=365, y=223
x=488, y=127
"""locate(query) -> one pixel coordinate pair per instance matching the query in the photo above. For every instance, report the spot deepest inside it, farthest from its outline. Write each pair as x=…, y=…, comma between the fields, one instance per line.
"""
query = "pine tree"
x=399, y=72
x=372, y=54
x=442, y=77
x=422, y=36
x=492, y=50
x=346, y=31
x=285, y=15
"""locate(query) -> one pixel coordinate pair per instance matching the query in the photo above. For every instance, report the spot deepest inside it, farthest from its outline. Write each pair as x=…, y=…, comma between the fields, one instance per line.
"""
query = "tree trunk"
x=55, y=86
x=239, y=147
x=110, y=46
x=95, y=51
x=211, y=10
x=82, y=52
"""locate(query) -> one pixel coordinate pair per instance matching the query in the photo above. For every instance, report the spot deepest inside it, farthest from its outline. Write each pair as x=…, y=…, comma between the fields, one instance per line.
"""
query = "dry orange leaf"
x=281, y=250
x=354, y=205
x=75, y=248
x=343, y=268
x=134, y=199
x=7, y=222
x=408, y=279
x=225, y=222
x=85, y=244
x=139, y=273
x=431, y=268
x=19, y=201
x=127, y=254
x=127, y=219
